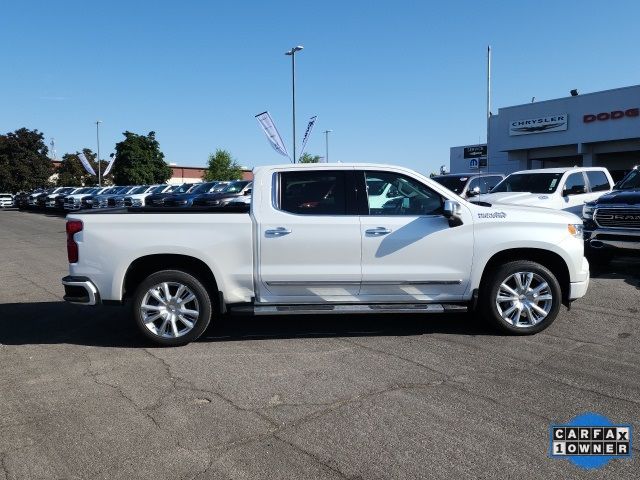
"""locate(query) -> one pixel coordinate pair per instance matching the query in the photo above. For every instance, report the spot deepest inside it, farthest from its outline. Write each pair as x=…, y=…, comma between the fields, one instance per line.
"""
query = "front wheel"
x=520, y=297
x=172, y=307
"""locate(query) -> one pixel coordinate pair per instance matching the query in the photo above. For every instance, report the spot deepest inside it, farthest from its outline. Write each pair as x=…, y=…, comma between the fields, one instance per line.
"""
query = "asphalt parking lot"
x=83, y=396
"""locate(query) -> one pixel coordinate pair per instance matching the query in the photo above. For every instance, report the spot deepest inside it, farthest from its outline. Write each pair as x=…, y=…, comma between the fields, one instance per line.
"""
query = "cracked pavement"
x=83, y=396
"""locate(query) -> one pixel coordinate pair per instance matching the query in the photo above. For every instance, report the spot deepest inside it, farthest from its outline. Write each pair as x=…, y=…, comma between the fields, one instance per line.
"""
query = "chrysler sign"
x=548, y=123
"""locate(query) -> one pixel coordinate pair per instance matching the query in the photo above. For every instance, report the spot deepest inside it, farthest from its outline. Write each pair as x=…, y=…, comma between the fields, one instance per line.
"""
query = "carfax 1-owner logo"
x=590, y=440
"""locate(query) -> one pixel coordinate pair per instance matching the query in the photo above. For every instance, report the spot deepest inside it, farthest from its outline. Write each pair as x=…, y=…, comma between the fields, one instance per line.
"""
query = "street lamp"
x=326, y=145
x=292, y=54
x=98, y=122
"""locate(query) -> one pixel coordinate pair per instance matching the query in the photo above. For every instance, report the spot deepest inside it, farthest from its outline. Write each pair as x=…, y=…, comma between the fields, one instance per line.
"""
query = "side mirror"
x=247, y=192
x=451, y=212
x=473, y=192
x=575, y=190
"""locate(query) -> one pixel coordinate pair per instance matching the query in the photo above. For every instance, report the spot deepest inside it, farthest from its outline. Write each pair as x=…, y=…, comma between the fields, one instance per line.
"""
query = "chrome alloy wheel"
x=524, y=299
x=169, y=309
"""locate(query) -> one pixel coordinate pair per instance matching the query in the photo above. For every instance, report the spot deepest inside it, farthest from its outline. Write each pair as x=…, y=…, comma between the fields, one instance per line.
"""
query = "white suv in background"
x=6, y=200
x=558, y=188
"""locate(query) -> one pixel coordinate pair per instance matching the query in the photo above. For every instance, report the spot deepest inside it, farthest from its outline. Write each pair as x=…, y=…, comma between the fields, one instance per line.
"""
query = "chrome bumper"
x=80, y=290
x=623, y=238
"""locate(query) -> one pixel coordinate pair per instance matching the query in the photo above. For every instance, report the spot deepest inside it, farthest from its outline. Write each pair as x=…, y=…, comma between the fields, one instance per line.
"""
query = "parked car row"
x=64, y=199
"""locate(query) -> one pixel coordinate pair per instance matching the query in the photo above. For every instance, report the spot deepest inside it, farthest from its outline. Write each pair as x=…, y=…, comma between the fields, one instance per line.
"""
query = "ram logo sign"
x=548, y=123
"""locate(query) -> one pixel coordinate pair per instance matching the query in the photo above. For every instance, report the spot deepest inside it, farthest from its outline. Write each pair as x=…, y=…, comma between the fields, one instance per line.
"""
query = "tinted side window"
x=394, y=194
x=475, y=182
x=574, y=181
x=598, y=181
x=484, y=183
x=492, y=181
x=313, y=193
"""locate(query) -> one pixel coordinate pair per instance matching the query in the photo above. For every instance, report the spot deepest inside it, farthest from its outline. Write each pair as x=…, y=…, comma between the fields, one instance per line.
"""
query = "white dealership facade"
x=594, y=129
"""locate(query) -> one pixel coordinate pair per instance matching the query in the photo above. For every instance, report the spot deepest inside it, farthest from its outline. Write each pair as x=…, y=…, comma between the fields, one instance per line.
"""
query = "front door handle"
x=277, y=232
x=378, y=231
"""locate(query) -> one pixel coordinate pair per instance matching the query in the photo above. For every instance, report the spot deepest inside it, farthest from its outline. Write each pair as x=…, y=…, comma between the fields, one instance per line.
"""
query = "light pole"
x=326, y=145
x=98, y=122
x=292, y=54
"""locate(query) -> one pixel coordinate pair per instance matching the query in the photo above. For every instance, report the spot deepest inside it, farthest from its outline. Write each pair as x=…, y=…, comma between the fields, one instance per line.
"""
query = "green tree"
x=308, y=158
x=139, y=161
x=72, y=172
x=222, y=167
x=24, y=164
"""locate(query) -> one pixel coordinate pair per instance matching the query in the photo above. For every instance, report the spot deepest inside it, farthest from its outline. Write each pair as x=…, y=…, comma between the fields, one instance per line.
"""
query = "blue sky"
x=397, y=82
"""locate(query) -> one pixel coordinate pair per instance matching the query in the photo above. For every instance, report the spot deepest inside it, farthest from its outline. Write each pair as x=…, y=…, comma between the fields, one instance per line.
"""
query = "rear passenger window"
x=598, y=181
x=313, y=193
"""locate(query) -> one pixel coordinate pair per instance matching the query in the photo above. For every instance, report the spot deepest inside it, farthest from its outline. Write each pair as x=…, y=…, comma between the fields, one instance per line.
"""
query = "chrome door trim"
x=373, y=282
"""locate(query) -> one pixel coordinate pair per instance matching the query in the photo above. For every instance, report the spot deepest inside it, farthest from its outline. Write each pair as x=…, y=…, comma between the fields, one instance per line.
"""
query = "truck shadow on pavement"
x=62, y=323
x=625, y=268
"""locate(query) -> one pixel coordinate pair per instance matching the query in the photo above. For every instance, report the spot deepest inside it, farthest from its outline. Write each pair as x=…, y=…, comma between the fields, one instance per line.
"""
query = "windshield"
x=234, y=187
x=67, y=190
x=112, y=190
x=632, y=180
x=158, y=189
x=182, y=188
x=141, y=189
x=203, y=188
x=454, y=183
x=86, y=190
x=529, y=182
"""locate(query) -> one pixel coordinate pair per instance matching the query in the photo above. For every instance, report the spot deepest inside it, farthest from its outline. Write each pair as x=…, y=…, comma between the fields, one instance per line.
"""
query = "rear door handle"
x=277, y=232
x=377, y=232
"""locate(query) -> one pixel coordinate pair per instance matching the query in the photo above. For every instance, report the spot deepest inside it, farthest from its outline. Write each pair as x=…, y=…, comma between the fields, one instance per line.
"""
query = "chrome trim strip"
x=329, y=283
x=309, y=283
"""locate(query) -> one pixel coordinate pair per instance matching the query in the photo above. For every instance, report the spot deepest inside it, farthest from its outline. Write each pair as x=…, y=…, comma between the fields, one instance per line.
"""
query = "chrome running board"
x=324, y=308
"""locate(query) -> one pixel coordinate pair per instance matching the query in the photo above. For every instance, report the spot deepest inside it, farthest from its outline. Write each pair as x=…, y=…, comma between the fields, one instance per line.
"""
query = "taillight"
x=73, y=227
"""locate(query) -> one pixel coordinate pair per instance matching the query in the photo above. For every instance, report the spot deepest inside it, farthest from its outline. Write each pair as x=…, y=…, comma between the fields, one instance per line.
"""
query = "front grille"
x=618, y=217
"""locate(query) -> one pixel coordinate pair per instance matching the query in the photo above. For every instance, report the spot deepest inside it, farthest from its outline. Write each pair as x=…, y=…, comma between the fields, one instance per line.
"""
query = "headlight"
x=575, y=229
x=587, y=211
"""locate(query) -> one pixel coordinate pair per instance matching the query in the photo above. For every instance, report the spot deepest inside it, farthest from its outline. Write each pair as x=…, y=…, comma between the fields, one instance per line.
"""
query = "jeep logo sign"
x=614, y=115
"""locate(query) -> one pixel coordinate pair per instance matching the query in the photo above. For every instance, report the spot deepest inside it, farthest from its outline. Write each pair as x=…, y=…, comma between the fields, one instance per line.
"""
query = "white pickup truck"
x=310, y=242
x=565, y=189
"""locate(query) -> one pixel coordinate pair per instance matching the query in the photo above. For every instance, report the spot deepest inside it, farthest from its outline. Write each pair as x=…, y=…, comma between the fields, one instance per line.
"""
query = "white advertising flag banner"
x=108, y=169
x=85, y=163
x=307, y=133
x=270, y=130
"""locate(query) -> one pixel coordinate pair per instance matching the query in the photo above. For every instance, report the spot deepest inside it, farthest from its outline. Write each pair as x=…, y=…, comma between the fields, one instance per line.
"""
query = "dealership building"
x=594, y=129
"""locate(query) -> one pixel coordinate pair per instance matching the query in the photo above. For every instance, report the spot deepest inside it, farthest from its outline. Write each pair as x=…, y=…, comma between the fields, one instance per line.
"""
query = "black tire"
x=173, y=278
x=488, y=296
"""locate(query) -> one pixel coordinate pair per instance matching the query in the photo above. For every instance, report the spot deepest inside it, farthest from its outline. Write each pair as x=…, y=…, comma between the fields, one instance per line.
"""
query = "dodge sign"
x=548, y=123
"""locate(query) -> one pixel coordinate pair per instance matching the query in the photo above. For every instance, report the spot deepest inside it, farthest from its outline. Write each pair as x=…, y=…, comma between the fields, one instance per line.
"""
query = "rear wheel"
x=520, y=297
x=172, y=307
